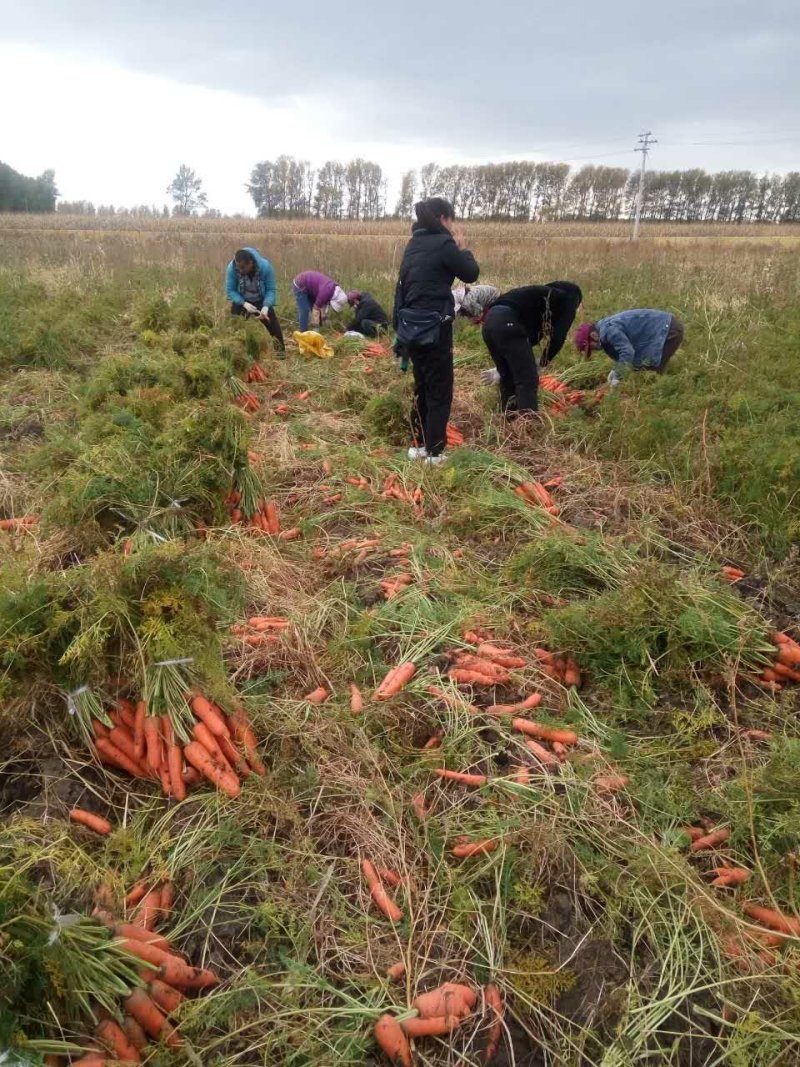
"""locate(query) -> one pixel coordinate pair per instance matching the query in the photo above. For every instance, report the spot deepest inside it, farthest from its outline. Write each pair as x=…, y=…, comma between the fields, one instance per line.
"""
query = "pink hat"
x=353, y=296
x=583, y=336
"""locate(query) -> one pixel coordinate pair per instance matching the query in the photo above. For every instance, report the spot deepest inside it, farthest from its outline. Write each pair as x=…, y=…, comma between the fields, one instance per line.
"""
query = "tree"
x=329, y=197
x=405, y=201
x=186, y=192
x=21, y=193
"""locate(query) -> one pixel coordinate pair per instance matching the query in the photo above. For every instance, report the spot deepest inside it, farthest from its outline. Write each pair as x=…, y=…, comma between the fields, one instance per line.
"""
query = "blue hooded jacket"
x=265, y=275
x=635, y=338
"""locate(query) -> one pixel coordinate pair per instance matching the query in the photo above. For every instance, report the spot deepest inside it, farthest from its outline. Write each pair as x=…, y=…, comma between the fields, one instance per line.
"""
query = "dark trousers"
x=370, y=328
x=271, y=324
x=510, y=348
x=433, y=391
x=672, y=344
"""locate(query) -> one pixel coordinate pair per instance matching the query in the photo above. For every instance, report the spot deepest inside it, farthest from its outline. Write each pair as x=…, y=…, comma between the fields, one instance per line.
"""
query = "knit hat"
x=353, y=297
x=458, y=296
x=583, y=336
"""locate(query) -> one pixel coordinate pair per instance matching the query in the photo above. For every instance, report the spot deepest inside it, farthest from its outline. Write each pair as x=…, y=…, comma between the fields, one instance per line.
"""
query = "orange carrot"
x=202, y=734
x=462, y=676
x=150, y=909
x=611, y=783
x=500, y=656
x=210, y=716
x=785, y=673
x=572, y=675
x=726, y=876
x=396, y=680
x=123, y=739
x=268, y=622
x=493, y=999
x=473, y=848
x=318, y=695
x=545, y=733
x=91, y=821
x=99, y=729
x=474, y=780
x=522, y=775
x=178, y=974
x=175, y=769
x=91, y=1059
x=418, y=805
x=290, y=535
x=757, y=735
x=150, y=1018
x=136, y=894
x=439, y=1027
x=116, y=1041
x=165, y=996
x=716, y=837
x=434, y=741
x=137, y=932
x=234, y=757
x=109, y=753
x=379, y=894
x=392, y=1041
x=789, y=654
x=273, y=520
x=694, y=832
x=135, y=1034
x=167, y=899
x=138, y=729
x=396, y=971
x=152, y=736
x=451, y=998
x=214, y=771
x=392, y=878
x=356, y=699
x=775, y=920
x=543, y=755
x=243, y=733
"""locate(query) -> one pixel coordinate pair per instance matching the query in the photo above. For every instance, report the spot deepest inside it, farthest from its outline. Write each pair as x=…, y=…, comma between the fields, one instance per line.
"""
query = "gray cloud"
x=471, y=79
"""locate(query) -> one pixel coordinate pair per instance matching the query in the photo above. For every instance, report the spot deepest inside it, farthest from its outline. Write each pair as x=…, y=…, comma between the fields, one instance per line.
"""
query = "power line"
x=645, y=140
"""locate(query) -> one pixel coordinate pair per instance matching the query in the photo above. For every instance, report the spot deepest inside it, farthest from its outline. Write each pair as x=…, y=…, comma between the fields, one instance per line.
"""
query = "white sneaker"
x=436, y=461
x=417, y=453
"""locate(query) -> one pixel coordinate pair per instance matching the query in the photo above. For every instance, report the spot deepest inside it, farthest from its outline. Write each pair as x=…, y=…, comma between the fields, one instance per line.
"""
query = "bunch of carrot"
x=261, y=631
x=490, y=665
x=374, y=350
x=24, y=522
x=395, y=584
x=145, y=746
x=440, y=1012
x=165, y=975
x=266, y=517
x=247, y=401
x=363, y=547
x=786, y=667
x=561, y=669
x=359, y=482
x=393, y=490
x=535, y=494
x=255, y=373
x=454, y=437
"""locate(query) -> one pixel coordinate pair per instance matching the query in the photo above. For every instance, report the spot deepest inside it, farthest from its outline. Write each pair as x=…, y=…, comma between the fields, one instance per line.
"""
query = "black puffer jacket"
x=546, y=312
x=431, y=263
x=368, y=308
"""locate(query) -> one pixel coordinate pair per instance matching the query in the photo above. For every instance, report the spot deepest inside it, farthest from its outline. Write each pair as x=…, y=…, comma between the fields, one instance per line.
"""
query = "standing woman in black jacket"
x=517, y=321
x=423, y=319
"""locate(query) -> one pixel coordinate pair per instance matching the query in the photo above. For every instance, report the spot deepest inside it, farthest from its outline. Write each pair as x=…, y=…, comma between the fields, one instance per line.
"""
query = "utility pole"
x=645, y=140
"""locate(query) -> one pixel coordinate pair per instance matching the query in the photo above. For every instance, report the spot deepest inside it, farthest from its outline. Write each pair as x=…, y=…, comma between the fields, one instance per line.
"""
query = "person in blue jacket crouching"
x=639, y=339
x=251, y=288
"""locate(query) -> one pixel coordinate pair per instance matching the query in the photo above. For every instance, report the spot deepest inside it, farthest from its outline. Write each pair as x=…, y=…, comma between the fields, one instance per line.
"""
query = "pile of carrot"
x=489, y=665
x=255, y=373
x=566, y=397
x=247, y=402
x=266, y=518
x=374, y=350
x=261, y=631
x=561, y=669
x=363, y=547
x=395, y=584
x=393, y=490
x=453, y=437
x=786, y=668
x=145, y=746
x=440, y=1012
x=535, y=494
x=165, y=975
x=359, y=482
x=24, y=522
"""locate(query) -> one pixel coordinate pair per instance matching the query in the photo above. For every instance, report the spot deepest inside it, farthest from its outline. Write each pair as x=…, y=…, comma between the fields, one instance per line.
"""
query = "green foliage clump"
x=561, y=562
x=385, y=419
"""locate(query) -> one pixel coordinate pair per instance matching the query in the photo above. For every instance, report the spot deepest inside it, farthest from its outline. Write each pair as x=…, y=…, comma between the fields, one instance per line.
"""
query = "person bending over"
x=642, y=339
x=370, y=319
x=250, y=286
x=316, y=296
x=423, y=319
x=518, y=321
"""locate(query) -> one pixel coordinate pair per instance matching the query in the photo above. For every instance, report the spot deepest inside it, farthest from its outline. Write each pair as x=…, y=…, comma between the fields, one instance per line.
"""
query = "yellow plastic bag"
x=312, y=343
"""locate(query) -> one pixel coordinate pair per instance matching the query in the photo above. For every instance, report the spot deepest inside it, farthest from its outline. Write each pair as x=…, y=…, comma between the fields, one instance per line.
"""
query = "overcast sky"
x=115, y=95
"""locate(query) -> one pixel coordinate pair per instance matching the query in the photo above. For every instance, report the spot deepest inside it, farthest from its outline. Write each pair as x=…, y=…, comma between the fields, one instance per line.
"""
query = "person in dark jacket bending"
x=370, y=319
x=434, y=257
x=518, y=321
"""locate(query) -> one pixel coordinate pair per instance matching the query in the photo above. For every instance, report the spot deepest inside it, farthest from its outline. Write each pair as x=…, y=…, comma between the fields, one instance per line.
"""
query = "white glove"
x=490, y=377
x=251, y=309
x=316, y=317
x=264, y=312
x=613, y=379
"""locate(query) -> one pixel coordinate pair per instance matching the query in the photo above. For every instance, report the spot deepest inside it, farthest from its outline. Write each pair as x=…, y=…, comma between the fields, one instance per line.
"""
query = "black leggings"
x=271, y=324
x=512, y=352
x=433, y=391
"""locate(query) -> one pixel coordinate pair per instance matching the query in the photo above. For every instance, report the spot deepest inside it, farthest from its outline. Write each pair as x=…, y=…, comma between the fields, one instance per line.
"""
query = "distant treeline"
x=20, y=193
x=522, y=191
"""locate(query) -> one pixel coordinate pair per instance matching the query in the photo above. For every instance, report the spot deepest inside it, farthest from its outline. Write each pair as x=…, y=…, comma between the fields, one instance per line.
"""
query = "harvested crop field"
x=526, y=723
